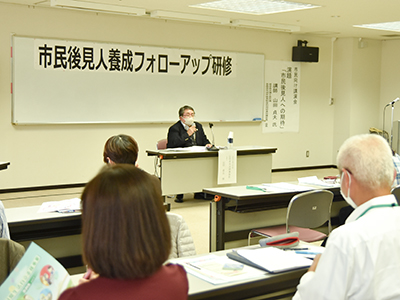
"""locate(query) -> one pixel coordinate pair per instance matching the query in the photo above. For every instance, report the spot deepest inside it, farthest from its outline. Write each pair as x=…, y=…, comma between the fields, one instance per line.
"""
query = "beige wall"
x=356, y=89
x=390, y=84
x=64, y=154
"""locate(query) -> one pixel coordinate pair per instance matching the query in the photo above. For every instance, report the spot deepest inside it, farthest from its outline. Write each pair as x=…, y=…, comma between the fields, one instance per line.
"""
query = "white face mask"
x=189, y=121
x=348, y=198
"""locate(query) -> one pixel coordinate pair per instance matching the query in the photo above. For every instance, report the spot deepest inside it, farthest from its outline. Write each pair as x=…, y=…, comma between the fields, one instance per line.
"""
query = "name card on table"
x=227, y=166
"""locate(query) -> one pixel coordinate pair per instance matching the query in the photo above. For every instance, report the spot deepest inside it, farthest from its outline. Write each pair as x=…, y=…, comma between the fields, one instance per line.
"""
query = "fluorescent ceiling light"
x=389, y=26
x=188, y=17
x=265, y=25
x=82, y=5
x=255, y=7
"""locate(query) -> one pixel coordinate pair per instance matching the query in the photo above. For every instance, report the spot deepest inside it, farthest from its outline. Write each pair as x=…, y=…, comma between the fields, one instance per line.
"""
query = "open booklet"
x=38, y=275
x=270, y=259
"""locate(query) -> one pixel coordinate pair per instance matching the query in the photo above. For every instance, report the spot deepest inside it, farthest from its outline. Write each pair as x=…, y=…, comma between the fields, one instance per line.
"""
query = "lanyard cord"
x=377, y=206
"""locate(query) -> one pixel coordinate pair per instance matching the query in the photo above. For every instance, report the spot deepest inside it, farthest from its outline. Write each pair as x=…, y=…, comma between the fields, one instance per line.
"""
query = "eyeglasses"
x=189, y=115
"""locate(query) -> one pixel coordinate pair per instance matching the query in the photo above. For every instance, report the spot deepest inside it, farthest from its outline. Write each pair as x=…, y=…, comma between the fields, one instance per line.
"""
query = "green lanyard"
x=377, y=206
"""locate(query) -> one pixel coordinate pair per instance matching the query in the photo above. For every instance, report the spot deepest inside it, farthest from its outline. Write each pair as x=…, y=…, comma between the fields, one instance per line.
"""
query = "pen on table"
x=196, y=267
x=307, y=252
x=67, y=211
x=296, y=249
x=249, y=187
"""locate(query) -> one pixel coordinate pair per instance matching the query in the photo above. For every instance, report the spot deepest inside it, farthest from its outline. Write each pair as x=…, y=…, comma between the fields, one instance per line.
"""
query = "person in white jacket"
x=181, y=239
x=362, y=257
x=4, y=230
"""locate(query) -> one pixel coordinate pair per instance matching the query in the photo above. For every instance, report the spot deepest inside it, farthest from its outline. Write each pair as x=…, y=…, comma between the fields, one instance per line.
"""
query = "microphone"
x=394, y=101
x=194, y=133
x=211, y=126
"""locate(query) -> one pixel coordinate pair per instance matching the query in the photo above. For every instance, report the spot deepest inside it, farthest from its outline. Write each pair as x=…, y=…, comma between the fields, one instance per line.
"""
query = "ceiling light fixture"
x=255, y=7
x=264, y=25
x=188, y=17
x=98, y=7
x=388, y=26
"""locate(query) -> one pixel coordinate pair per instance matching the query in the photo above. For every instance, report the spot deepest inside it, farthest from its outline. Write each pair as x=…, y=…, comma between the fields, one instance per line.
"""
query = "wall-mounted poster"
x=282, y=96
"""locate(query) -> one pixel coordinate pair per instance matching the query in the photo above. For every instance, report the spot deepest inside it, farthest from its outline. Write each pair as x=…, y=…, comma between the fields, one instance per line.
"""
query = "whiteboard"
x=48, y=96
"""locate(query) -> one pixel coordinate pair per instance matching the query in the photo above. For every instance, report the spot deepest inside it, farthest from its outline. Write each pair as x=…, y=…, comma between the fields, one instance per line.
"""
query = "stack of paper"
x=270, y=259
x=313, y=180
x=70, y=205
x=187, y=149
x=218, y=269
x=282, y=187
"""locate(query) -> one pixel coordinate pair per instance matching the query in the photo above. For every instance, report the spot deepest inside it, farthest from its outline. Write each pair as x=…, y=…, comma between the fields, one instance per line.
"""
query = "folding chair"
x=396, y=192
x=305, y=211
x=162, y=144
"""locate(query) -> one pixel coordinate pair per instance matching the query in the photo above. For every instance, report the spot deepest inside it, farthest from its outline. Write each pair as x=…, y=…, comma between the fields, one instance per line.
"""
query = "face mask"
x=189, y=121
x=348, y=198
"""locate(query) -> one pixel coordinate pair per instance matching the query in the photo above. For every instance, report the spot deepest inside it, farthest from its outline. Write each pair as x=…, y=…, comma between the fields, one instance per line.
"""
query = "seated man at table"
x=362, y=257
x=345, y=212
x=186, y=133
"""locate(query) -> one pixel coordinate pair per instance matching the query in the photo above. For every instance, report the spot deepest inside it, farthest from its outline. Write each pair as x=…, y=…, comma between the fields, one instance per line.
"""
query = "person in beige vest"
x=10, y=254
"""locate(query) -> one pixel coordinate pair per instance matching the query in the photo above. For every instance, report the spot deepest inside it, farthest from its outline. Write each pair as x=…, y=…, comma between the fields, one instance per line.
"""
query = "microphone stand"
x=211, y=126
x=391, y=131
x=383, y=125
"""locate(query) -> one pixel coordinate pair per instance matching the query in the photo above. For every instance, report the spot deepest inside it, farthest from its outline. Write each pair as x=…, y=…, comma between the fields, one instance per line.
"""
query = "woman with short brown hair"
x=126, y=239
x=121, y=149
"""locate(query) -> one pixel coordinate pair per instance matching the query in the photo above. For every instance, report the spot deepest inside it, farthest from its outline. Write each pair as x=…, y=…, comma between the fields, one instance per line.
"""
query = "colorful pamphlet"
x=38, y=275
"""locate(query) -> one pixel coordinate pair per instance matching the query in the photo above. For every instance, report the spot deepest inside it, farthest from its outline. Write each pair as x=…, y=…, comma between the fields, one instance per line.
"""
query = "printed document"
x=227, y=171
x=271, y=259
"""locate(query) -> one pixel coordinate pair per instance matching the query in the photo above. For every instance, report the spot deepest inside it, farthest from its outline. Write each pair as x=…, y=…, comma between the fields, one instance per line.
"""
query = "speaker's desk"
x=254, y=165
x=266, y=285
x=239, y=210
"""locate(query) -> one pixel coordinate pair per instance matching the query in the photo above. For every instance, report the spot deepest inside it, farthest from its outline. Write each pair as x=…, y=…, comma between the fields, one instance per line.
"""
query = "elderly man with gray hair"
x=362, y=257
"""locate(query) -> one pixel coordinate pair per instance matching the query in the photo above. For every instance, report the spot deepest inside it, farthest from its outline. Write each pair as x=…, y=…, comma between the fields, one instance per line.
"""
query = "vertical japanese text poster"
x=282, y=96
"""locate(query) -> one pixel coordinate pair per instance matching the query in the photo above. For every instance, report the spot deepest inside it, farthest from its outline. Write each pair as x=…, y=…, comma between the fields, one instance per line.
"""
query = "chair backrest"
x=310, y=209
x=396, y=192
x=162, y=144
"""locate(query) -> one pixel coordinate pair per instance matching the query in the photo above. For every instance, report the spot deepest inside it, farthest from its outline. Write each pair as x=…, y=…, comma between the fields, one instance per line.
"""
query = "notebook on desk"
x=270, y=259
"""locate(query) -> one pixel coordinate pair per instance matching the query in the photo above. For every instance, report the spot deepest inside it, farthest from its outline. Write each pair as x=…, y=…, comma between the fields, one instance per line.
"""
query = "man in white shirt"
x=362, y=257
